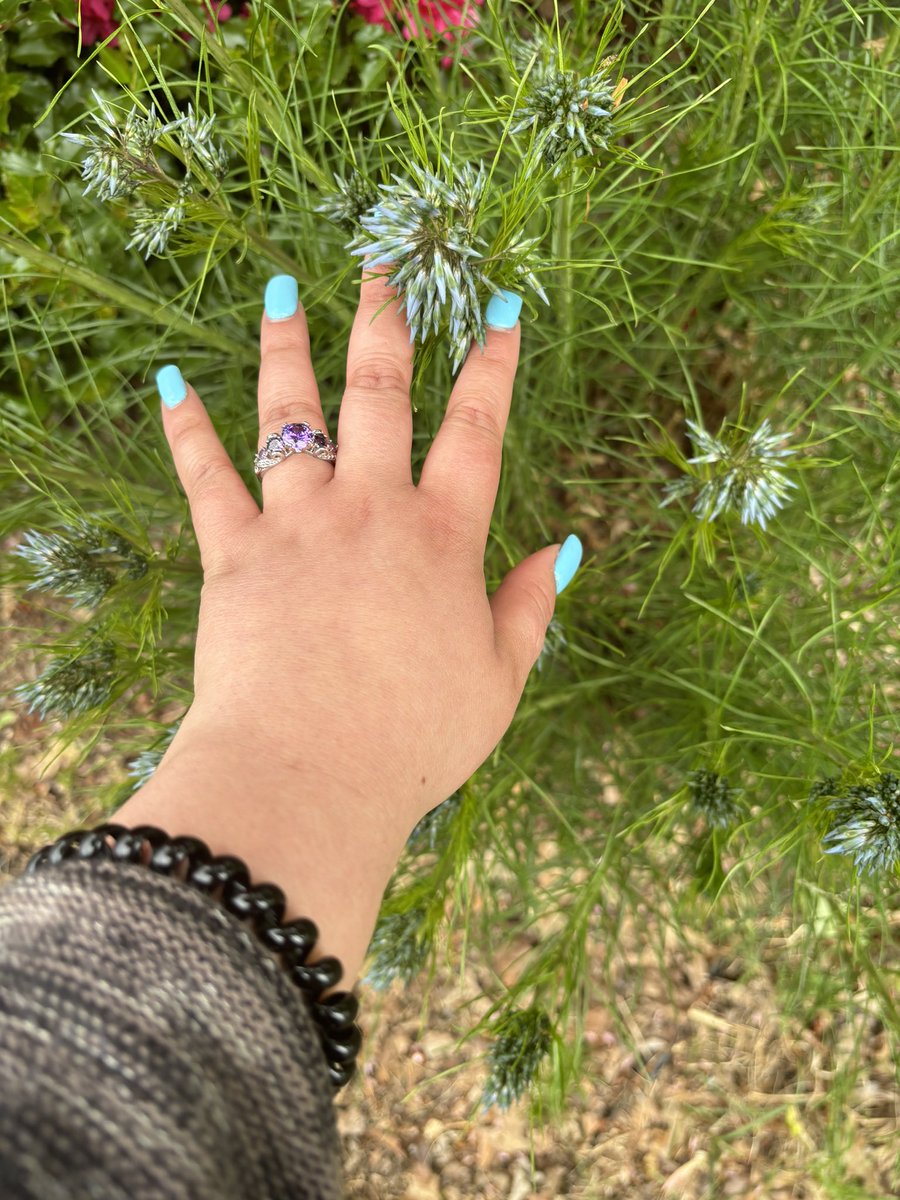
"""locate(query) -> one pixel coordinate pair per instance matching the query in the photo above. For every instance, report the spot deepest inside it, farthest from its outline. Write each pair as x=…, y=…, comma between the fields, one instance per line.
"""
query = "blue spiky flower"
x=571, y=114
x=522, y=1039
x=712, y=796
x=432, y=828
x=121, y=154
x=81, y=561
x=866, y=824
x=73, y=684
x=122, y=158
x=747, y=474
x=399, y=948
x=424, y=227
x=144, y=766
x=355, y=196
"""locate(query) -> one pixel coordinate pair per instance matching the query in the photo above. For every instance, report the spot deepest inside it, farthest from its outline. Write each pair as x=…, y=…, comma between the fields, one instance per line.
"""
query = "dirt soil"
x=727, y=1097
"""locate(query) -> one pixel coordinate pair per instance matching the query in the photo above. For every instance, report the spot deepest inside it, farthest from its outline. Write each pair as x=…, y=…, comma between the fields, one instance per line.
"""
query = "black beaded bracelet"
x=264, y=905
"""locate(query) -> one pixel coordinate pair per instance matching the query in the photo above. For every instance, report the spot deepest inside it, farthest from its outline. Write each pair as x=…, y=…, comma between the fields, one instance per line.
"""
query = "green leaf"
x=37, y=51
x=10, y=86
x=116, y=65
x=374, y=72
x=8, y=10
x=30, y=196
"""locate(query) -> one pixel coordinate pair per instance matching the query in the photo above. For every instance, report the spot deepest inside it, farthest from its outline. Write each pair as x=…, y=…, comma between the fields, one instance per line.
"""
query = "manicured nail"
x=567, y=562
x=170, y=385
x=503, y=311
x=281, y=297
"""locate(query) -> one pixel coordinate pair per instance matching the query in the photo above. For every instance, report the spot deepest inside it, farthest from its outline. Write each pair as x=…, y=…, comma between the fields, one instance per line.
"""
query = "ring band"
x=294, y=438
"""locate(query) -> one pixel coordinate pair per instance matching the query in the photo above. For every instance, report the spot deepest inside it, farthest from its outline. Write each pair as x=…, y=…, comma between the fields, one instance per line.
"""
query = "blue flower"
x=866, y=824
x=712, y=796
x=424, y=227
x=747, y=475
x=571, y=115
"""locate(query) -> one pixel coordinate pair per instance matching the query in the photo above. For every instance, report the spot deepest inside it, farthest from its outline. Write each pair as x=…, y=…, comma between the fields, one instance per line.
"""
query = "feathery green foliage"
x=718, y=253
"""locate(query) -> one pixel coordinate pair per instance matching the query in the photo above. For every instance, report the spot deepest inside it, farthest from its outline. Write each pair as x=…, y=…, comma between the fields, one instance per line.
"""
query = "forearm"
x=330, y=852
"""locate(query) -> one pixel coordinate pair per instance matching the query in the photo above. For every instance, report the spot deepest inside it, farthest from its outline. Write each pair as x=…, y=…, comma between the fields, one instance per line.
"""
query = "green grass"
x=733, y=258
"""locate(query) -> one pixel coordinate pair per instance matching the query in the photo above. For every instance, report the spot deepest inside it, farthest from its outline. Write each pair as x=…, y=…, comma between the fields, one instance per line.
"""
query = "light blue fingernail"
x=503, y=312
x=281, y=297
x=170, y=385
x=567, y=562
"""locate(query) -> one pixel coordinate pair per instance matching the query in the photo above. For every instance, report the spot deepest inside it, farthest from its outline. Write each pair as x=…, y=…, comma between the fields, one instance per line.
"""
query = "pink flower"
x=435, y=19
x=217, y=10
x=96, y=20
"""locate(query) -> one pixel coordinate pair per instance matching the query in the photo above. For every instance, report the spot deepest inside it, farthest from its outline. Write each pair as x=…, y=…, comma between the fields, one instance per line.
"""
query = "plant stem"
x=565, y=306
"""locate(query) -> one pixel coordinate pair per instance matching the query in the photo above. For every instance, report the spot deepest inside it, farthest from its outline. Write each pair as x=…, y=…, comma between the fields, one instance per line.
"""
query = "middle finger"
x=375, y=422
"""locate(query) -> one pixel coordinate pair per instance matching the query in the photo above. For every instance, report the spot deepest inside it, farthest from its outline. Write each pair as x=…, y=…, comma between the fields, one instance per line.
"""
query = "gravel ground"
x=725, y=1097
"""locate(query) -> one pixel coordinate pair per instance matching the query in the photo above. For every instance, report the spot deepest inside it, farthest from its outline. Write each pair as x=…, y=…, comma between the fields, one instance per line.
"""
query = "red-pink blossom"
x=96, y=20
x=218, y=10
x=433, y=19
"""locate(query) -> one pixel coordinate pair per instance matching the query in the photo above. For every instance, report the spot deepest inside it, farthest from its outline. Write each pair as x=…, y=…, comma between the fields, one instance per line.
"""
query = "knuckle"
x=379, y=373
x=477, y=419
x=495, y=363
x=541, y=607
x=525, y=644
x=218, y=562
x=204, y=474
x=286, y=338
x=281, y=409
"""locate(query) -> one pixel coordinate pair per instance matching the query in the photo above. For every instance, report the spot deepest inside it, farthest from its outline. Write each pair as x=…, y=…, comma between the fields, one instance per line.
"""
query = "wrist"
x=331, y=850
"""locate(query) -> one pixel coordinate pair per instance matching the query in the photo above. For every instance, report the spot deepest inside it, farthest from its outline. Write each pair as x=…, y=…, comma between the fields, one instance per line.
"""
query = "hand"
x=345, y=631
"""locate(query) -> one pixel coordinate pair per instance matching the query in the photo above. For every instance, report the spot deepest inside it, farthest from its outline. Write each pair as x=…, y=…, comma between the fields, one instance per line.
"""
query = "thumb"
x=523, y=604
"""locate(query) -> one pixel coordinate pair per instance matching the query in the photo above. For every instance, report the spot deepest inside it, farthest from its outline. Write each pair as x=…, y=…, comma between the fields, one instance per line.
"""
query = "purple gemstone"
x=296, y=436
x=320, y=439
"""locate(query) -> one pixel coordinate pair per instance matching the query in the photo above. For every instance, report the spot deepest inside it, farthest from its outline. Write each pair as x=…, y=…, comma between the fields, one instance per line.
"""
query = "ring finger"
x=288, y=392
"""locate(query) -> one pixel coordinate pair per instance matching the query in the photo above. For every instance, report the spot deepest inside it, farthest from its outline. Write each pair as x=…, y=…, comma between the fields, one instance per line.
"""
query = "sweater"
x=152, y=1048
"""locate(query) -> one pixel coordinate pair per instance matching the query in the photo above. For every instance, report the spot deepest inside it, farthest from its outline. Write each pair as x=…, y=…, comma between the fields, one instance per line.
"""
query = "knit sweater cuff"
x=151, y=1046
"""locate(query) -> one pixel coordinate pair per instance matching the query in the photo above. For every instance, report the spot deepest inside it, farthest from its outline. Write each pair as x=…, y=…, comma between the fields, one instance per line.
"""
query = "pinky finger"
x=219, y=500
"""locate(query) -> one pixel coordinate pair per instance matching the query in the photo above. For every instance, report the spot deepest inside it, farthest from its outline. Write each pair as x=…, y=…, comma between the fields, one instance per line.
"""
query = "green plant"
x=718, y=253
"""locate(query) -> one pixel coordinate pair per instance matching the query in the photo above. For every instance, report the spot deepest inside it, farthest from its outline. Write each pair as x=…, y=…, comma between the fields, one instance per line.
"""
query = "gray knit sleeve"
x=152, y=1048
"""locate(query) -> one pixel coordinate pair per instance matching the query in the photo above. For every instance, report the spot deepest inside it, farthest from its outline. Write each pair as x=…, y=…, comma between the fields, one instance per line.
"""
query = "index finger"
x=462, y=469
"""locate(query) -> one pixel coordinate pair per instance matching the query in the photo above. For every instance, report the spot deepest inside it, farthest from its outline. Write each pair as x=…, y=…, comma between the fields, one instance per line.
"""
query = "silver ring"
x=294, y=438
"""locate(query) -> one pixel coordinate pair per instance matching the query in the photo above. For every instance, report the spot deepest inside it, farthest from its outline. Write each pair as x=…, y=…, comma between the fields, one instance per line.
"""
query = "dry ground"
x=726, y=1098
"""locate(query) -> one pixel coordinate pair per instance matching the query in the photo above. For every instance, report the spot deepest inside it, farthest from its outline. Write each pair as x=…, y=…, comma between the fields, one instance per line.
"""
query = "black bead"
x=222, y=869
x=167, y=858
x=197, y=849
x=335, y=1012
x=111, y=830
x=129, y=848
x=64, y=847
x=254, y=902
x=298, y=937
x=343, y=1046
x=317, y=977
x=93, y=845
x=37, y=860
x=341, y=1073
x=156, y=837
